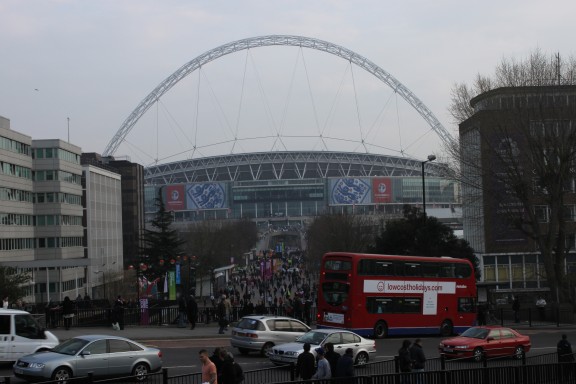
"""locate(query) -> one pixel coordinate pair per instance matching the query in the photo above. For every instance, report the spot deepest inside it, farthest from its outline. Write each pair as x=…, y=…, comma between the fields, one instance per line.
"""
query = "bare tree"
x=516, y=157
x=339, y=232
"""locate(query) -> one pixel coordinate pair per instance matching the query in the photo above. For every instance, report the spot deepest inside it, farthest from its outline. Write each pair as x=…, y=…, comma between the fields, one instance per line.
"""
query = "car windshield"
x=476, y=333
x=70, y=347
x=312, y=337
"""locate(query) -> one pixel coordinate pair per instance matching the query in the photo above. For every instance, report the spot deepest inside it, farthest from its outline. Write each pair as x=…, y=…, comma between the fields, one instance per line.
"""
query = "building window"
x=542, y=213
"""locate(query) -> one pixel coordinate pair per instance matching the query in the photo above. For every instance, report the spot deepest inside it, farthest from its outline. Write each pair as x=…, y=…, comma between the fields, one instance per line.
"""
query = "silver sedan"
x=101, y=355
x=342, y=340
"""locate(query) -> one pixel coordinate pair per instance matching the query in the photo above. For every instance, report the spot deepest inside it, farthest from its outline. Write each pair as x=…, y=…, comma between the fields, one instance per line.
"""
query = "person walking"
x=5, y=302
x=221, y=313
x=405, y=361
x=67, y=312
x=345, y=367
x=332, y=357
x=305, y=365
x=323, y=366
x=418, y=360
x=541, y=305
x=226, y=369
x=209, y=373
x=566, y=357
x=192, y=309
x=182, y=312
x=118, y=312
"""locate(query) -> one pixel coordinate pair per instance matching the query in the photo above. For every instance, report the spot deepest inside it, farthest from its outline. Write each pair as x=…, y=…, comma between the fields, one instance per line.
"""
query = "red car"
x=490, y=340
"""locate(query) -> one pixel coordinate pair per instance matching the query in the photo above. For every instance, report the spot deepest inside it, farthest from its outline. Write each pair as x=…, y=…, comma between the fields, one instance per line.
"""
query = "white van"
x=20, y=335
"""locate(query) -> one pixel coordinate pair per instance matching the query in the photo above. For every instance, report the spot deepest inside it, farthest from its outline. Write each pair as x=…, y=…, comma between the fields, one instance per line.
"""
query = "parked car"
x=260, y=333
x=101, y=355
x=21, y=335
x=490, y=340
x=342, y=339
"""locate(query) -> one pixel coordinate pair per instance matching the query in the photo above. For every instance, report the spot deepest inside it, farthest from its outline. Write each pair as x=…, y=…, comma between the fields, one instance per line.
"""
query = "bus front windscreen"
x=335, y=293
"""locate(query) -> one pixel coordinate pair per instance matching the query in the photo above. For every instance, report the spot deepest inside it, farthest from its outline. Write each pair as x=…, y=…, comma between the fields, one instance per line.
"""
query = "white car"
x=22, y=335
x=342, y=340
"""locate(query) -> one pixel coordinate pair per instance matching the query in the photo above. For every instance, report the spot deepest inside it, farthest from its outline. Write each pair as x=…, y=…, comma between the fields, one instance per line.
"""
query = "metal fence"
x=155, y=315
x=555, y=373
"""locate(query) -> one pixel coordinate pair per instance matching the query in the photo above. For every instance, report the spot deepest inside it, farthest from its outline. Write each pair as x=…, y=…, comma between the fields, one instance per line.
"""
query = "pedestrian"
x=418, y=360
x=405, y=361
x=118, y=313
x=541, y=305
x=225, y=371
x=516, y=309
x=221, y=313
x=305, y=365
x=182, y=312
x=209, y=373
x=67, y=312
x=192, y=308
x=322, y=366
x=332, y=356
x=565, y=357
x=5, y=302
x=345, y=366
x=228, y=308
x=215, y=358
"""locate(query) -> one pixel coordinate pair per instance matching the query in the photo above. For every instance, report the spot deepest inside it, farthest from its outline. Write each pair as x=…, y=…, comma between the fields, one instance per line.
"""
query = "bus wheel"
x=446, y=328
x=380, y=330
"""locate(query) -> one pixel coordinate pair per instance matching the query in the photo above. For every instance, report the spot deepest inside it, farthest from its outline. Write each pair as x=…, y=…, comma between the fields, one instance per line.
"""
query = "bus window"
x=463, y=271
x=465, y=304
x=335, y=293
x=412, y=269
x=376, y=268
x=337, y=265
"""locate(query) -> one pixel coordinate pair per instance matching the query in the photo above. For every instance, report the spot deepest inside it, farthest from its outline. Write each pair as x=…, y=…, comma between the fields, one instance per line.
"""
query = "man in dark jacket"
x=418, y=359
x=192, y=308
x=332, y=357
x=345, y=366
x=306, y=363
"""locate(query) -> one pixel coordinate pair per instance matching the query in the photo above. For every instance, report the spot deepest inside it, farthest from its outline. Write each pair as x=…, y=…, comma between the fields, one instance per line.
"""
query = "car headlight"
x=291, y=353
x=461, y=347
x=36, y=365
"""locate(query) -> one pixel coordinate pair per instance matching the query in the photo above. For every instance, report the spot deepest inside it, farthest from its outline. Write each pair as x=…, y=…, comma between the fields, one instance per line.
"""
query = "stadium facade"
x=288, y=186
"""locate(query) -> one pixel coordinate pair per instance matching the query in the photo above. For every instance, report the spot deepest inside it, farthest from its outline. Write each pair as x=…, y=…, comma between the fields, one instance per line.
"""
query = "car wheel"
x=140, y=371
x=244, y=351
x=62, y=374
x=266, y=348
x=380, y=330
x=446, y=328
x=478, y=354
x=362, y=358
x=519, y=352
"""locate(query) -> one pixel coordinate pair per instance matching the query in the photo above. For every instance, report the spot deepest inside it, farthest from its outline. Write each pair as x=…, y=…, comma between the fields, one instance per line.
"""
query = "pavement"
x=148, y=332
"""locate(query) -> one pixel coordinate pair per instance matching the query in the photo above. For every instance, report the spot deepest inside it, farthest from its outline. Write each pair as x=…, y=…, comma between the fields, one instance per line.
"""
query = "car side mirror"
x=85, y=353
x=489, y=338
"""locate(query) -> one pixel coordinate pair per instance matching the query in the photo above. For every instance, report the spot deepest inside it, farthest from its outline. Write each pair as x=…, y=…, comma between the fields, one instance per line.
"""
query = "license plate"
x=18, y=370
x=448, y=350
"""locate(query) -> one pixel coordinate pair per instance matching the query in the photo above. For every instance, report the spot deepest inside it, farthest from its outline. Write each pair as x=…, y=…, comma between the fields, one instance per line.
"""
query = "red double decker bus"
x=381, y=295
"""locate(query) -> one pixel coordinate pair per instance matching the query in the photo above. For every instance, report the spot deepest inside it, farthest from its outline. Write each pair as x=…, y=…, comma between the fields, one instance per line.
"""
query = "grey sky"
x=94, y=61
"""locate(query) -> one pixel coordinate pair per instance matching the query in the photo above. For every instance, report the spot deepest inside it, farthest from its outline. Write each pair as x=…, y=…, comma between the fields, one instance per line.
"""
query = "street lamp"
x=430, y=158
x=103, y=282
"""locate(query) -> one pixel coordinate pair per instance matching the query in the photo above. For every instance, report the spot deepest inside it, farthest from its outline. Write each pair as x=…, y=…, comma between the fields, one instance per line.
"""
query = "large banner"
x=351, y=191
x=381, y=190
x=206, y=196
x=175, y=197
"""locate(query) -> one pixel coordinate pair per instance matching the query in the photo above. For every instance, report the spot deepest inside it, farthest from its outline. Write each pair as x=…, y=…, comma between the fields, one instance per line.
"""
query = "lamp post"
x=103, y=282
x=430, y=158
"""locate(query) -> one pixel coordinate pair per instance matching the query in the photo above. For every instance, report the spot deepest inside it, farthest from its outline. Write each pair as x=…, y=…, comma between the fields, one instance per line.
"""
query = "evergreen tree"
x=13, y=283
x=162, y=244
x=420, y=235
